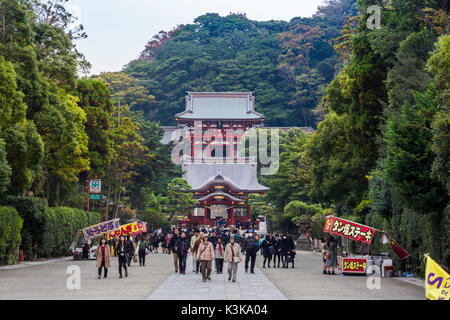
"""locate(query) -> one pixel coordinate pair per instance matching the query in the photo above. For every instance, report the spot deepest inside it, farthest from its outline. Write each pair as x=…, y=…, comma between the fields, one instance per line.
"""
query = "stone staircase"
x=303, y=244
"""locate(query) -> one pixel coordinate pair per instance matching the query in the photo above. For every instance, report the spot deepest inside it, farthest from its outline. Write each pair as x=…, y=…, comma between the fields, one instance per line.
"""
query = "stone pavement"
x=190, y=286
x=306, y=282
x=158, y=281
x=48, y=281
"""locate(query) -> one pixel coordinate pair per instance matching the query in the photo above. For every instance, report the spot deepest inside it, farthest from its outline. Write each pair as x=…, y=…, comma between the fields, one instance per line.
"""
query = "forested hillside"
x=381, y=155
x=286, y=64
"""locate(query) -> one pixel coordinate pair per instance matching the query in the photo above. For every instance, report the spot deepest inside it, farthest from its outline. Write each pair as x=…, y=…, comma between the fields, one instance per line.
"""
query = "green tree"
x=179, y=198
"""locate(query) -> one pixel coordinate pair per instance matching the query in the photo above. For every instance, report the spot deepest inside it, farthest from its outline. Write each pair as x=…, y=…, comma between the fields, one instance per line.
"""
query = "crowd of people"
x=207, y=248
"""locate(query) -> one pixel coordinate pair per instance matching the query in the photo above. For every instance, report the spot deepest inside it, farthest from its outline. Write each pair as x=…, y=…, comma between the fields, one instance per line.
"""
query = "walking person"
x=233, y=256
x=122, y=253
x=131, y=250
x=173, y=241
x=205, y=255
x=143, y=246
x=195, y=250
x=182, y=249
x=219, y=253
x=284, y=250
x=194, y=239
x=266, y=247
x=103, y=255
x=251, y=247
x=332, y=254
x=291, y=252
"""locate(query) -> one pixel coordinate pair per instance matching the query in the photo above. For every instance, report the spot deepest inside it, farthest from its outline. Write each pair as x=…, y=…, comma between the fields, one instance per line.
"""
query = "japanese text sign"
x=354, y=265
x=101, y=229
x=437, y=281
x=348, y=229
x=129, y=229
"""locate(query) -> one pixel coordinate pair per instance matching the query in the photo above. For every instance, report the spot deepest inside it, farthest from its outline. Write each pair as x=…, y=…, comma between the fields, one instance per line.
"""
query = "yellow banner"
x=437, y=281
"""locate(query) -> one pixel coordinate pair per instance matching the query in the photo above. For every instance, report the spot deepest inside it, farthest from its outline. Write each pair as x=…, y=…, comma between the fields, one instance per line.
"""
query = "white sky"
x=119, y=29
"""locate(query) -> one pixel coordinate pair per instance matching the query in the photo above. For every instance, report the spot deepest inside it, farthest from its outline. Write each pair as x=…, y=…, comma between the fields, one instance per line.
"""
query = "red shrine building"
x=214, y=124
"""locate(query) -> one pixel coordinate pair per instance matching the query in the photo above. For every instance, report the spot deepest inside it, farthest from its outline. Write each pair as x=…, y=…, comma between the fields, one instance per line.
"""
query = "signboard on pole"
x=95, y=186
x=348, y=229
x=95, y=196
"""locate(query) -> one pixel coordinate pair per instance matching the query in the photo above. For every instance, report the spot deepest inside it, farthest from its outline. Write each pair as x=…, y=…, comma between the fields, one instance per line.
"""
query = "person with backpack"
x=233, y=256
x=143, y=246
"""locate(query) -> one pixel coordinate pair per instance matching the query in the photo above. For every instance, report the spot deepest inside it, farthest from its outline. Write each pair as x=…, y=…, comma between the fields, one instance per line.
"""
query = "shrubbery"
x=61, y=225
x=48, y=231
x=31, y=210
x=10, y=226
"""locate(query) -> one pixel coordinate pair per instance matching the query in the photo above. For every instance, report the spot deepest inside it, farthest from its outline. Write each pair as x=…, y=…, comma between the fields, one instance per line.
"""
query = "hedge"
x=49, y=230
x=31, y=210
x=61, y=225
x=10, y=227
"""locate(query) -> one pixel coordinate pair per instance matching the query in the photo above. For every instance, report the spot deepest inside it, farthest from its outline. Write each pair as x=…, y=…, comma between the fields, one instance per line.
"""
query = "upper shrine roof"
x=220, y=106
x=239, y=176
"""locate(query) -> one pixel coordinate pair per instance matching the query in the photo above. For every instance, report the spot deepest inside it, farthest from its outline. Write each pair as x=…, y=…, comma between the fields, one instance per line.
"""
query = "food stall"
x=362, y=264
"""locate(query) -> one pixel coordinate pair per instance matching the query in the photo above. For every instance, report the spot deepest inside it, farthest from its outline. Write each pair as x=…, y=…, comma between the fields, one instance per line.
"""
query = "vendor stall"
x=362, y=264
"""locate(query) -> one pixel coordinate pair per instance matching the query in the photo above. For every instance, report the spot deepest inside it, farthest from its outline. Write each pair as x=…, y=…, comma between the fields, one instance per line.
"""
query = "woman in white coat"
x=233, y=256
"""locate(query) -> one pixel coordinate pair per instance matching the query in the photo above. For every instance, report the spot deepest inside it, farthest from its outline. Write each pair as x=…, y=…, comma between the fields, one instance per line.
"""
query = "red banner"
x=348, y=229
x=399, y=251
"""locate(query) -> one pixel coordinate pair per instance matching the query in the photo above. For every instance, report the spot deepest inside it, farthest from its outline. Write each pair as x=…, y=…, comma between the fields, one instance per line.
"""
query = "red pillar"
x=232, y=216
x=206, y=212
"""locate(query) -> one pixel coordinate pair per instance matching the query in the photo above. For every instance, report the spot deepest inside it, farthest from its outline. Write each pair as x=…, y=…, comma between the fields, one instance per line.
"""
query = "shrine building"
x=214, y=124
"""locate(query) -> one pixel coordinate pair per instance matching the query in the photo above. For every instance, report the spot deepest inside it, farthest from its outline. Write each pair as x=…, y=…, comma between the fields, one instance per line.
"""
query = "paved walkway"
x=306, y=282
x=190, y=286
x=158, y=281
x=39, y=281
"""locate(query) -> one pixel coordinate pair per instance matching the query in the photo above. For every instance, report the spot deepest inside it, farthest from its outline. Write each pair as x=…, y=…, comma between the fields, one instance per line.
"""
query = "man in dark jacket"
x=251, y=246
x=213, y=239
x=130, y=245
x=182, y=248
x=284, y=250
x=277, y=254
x=173, y=241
